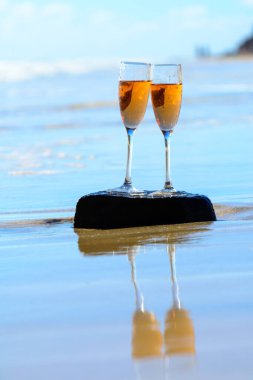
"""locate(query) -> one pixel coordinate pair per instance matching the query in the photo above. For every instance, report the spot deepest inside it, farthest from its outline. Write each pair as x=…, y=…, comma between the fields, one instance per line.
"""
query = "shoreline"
x=226, y=58
x=224, y=212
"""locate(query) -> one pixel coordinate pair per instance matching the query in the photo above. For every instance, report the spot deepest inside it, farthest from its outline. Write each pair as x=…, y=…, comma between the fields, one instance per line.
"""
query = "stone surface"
x=105, y=211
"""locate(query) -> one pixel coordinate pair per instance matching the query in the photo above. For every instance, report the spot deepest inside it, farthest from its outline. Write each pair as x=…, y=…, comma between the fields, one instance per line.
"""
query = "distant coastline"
x=245, y=49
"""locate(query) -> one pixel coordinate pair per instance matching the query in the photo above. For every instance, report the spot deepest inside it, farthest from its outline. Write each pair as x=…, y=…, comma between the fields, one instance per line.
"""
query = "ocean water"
x=150, y=303
x=62, y=136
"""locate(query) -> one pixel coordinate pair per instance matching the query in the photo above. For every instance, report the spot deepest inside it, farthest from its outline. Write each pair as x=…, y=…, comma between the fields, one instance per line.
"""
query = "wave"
x=36, y=222
x=233, y=212
x=87, y=105
x=14, y=71
x=71, y=107
x=31, y=218
x=228, y=88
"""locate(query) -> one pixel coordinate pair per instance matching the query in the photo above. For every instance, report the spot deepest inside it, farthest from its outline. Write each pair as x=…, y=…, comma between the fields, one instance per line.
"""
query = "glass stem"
x=168, y=183
x=171, y=248
x=130, y=134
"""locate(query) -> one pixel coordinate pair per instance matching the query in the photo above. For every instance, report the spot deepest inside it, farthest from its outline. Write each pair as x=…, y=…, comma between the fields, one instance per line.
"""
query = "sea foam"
x=12, y=71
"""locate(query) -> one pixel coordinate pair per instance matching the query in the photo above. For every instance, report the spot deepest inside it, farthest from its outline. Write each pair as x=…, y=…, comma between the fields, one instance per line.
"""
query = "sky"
x=42, y=30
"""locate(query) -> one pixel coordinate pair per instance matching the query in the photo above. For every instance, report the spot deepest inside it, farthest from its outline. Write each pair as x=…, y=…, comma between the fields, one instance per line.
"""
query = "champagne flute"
x=166, y=95
x=134, y=86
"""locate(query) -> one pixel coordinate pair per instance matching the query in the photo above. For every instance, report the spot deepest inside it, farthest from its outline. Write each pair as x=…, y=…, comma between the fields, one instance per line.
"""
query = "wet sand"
x=140, y=303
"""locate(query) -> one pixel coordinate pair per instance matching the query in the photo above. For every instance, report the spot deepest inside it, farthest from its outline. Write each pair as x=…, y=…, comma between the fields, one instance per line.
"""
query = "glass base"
x=169, y=192
x=126, y=189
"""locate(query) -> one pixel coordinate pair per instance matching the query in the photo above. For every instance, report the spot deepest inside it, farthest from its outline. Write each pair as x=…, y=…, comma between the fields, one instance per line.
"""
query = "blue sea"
x=62, y=136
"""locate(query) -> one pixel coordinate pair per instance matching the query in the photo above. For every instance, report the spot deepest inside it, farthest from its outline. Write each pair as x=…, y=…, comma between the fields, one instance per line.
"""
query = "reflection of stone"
x=130, y=240
x=125, y=99
x=147, y=338
x=158, y=97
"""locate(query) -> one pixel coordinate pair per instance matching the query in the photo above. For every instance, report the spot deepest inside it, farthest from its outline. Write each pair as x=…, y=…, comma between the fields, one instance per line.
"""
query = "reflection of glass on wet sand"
x=179, y=335
x=179, y=331
x=149, y=346
x=147, y=340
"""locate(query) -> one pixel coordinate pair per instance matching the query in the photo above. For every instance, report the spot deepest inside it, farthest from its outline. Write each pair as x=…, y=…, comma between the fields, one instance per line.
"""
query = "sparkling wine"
x=133, y=99
x=166, y=101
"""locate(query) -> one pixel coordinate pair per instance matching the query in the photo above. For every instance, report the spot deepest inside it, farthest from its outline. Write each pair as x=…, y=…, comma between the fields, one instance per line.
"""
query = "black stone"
x=106, y=211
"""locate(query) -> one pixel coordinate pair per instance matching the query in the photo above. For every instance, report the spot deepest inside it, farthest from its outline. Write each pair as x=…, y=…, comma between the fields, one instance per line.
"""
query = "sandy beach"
x=146, y=303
